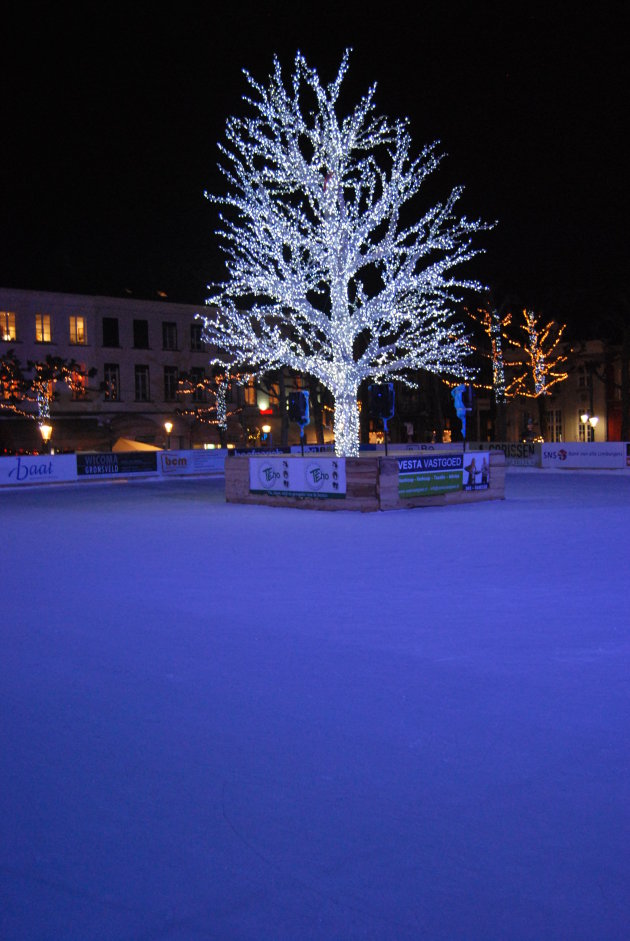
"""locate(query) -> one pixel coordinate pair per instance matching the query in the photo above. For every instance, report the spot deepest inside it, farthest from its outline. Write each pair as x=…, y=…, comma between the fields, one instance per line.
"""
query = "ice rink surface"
x=256, y=724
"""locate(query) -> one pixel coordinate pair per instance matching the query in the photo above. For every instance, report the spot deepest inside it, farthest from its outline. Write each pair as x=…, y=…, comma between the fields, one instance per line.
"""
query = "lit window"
x=111, y=384
x=78, y=383
x=43, y=332
x=250, y=393
x=78, y=331
x=7, y=326
x=9, y=382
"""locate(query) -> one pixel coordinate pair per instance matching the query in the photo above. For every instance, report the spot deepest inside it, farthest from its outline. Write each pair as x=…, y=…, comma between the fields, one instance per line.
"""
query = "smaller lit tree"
x=13, y=384
x=205, y=398
x=31, y=396
x=541, y=359
x=494, y=325
x=539, y=366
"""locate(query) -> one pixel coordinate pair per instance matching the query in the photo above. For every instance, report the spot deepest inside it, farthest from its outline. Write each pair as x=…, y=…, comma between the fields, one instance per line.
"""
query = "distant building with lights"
x=586, y=406
x=138, y=349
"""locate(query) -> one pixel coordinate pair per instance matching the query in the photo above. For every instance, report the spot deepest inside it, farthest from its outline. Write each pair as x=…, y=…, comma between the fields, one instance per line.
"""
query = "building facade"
x=586, y=406
x=135, y=350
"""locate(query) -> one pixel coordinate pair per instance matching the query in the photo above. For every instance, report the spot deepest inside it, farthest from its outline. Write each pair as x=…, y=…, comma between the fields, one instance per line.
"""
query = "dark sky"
x=111, y=122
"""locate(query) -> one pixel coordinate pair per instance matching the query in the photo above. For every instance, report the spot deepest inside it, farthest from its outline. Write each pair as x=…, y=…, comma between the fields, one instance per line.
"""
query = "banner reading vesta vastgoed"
x=431, y=474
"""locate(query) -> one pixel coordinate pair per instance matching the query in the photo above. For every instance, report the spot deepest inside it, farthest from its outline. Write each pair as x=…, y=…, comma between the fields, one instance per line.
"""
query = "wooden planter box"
x=371, y=484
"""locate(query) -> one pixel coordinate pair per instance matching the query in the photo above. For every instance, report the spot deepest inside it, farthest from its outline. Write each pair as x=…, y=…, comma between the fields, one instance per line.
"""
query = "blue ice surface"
x=230, y=722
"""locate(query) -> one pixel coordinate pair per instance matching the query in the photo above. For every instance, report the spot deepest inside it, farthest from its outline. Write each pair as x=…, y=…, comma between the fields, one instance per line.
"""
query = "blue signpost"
x=299, y=412
x=381, y=404
x=461, y=408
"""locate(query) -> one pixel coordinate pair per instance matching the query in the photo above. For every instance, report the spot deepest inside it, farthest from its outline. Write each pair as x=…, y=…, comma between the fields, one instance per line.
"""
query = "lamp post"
x=45, y=431
x=591, y=421
x=168, y=427
x=266, y=431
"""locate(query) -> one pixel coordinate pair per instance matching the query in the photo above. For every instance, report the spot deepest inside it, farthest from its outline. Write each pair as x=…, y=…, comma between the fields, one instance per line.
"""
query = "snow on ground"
x=228, y=722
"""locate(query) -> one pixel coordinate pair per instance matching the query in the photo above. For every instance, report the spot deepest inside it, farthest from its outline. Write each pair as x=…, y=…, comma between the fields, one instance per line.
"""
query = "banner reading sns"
x=297, y=477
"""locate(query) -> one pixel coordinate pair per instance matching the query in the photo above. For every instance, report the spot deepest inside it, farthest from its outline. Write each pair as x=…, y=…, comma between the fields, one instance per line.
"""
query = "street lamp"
x=168, y=427
x=587, y=419
x=46, y=432
x=266, y=435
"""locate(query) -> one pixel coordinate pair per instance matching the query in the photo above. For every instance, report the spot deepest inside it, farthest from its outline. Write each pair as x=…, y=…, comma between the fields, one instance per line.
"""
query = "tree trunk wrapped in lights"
x=324, y=276
x=541, y=366
x=31, y=397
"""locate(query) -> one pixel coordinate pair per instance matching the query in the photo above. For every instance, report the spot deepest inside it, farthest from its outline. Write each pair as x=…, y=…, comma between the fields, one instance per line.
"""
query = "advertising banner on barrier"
x=313, y=448
x=517, y=453
x=576, y=454
x=200, y=461
x=316, y=477
x=430, y=474
x=476, y=470
x=37, y=469
x=114, y=465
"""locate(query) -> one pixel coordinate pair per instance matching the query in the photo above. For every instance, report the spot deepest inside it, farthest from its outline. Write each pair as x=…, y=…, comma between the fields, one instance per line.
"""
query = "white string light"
x=324, y=276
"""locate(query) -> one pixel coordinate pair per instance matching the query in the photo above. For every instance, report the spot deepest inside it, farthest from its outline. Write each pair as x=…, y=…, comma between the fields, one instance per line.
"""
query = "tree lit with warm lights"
x=542, y=358
x=330, y=273
x=31, y=396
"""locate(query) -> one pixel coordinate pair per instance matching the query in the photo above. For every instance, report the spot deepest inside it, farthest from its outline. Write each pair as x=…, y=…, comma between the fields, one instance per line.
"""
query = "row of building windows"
x=194, y=389
x=77, y=332
x=586, y=431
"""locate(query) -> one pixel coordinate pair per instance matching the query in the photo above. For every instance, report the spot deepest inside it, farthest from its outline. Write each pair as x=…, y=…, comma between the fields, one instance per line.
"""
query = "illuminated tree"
x=13, y=383
x=494, y=325
x=539, y=366
x=32, y=396
x=205, y=398
x=324, y=275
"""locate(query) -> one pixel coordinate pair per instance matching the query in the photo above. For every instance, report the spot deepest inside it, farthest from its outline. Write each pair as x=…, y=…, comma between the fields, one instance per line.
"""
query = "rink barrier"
x=22, y=470
x=370, y=483
x=567, y=455
x=25, y=470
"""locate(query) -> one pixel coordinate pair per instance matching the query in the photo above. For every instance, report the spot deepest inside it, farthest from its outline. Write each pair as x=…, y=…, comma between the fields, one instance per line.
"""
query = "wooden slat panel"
x=371, y=484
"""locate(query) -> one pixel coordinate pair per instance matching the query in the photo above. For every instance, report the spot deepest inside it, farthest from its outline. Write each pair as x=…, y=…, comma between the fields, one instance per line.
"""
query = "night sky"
x=111, y=123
